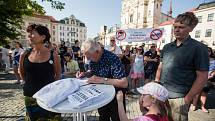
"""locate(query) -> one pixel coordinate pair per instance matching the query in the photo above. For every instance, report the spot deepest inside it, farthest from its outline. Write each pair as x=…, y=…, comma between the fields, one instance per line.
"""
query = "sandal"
x=205, y=110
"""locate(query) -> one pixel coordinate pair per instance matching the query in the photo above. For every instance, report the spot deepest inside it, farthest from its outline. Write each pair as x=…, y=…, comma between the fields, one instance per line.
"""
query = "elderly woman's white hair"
x=90, y=46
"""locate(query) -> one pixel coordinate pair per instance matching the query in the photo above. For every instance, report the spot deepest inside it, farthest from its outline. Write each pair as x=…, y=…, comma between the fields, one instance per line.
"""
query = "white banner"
x=138, y=35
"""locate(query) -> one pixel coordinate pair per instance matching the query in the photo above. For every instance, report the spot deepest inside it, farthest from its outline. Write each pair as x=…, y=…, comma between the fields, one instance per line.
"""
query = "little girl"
x=137, y=71
x=154, y=100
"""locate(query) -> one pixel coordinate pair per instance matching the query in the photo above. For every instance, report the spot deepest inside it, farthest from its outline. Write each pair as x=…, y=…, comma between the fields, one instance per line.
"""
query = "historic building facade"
x=68, y=29
x=140, y=13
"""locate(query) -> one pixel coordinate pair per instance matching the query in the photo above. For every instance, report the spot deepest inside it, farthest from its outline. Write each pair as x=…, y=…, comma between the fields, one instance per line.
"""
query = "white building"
x=203, y=32
x=140, y=13
x=167, y=36
x=205, y=29
x=71, y=29
x=68, y=29
x=35, y=19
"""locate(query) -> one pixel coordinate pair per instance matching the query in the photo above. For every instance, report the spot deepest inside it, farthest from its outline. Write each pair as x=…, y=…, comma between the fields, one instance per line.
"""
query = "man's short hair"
x=187, y=18
x=90, y=46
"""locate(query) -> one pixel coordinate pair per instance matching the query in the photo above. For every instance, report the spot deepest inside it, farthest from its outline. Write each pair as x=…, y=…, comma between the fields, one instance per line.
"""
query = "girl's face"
x=146, y=100
x=35, y=37
x=16, y=45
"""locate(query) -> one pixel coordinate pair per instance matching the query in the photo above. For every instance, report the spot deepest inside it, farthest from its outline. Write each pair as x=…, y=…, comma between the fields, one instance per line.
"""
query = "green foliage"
x=56, y=4
x=11, y=13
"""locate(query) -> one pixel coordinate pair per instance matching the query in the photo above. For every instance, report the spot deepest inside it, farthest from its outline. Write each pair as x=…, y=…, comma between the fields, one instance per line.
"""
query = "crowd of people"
x=168, y=81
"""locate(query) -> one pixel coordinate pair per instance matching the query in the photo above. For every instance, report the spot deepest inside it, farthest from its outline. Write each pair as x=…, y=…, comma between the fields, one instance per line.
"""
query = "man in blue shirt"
x=184, y=65
x=105, y=68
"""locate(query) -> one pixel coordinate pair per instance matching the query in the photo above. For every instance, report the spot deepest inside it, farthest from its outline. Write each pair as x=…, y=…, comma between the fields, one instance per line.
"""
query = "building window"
x=208, y=32
x=197, y=34
x=53, y=39
x=77, y=30
x=200, y=19
x=138, y=15
x=60, y=28
x=163, y=40
x=157, y=6
x=131, y=18
x=60, y=34
x=210, y=17
x=53, y=27
x=67, y=28
x=72, y=22
x=53, y=32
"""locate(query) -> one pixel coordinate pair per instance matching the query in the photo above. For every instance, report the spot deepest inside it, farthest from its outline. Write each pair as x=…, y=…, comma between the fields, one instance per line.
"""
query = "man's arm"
x=158, y=73
x=121, y=83
x=201, y=80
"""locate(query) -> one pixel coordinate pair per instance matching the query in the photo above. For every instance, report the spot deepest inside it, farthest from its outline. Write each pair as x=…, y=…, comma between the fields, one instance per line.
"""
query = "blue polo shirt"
x=109, y=66
x=179, y=65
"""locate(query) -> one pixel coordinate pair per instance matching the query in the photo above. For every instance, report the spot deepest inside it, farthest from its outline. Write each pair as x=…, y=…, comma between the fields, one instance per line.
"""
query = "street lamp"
x=104, y=33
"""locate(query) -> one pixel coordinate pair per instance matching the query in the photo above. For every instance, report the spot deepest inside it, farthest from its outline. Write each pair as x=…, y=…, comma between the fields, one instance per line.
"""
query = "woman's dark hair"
x=211, y=52
x=41, y=30
x=7, y=46
x=20, y=45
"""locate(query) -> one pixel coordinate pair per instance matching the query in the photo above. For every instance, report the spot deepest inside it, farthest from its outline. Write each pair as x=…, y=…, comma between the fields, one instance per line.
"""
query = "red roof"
x=192, y=10
x=51, y=18
x=167, y=22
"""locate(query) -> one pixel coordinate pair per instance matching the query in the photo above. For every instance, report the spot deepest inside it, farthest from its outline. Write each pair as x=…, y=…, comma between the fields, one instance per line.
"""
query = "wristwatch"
x=106, y=79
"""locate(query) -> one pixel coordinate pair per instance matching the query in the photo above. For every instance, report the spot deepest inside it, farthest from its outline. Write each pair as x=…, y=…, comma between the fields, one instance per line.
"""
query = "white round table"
x=67, y=107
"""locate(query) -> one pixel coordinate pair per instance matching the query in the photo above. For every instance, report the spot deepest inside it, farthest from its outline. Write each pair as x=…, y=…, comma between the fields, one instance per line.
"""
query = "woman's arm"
x=21, y=66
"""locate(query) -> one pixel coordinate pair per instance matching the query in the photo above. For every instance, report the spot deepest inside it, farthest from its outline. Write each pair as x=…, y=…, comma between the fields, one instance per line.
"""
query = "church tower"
x=140, y=13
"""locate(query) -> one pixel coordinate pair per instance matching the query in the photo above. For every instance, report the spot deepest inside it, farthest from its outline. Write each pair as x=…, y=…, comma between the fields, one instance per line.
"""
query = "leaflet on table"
x=85, y=96
x=56, y=92
x=59, y=90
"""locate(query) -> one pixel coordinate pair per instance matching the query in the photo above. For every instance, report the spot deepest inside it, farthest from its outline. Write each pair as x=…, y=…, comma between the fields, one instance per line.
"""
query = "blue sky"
x=95, y=13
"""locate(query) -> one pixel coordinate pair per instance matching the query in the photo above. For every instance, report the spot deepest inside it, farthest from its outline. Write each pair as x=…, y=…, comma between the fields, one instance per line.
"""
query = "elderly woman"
x=105, y=68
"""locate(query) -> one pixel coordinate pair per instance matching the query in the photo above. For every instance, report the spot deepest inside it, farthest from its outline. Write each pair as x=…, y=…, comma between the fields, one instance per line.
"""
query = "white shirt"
x=117, y=50
x=5, y=53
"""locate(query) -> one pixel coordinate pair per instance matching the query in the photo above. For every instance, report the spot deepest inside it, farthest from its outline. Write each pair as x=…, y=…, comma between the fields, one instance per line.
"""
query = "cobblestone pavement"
x=12, y=104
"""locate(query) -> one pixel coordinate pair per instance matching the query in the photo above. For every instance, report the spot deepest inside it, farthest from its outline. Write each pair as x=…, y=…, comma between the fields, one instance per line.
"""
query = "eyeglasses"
x=112, y=40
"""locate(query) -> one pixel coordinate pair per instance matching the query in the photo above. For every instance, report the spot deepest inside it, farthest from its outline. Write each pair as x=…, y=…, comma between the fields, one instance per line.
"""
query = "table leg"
x=79, y=117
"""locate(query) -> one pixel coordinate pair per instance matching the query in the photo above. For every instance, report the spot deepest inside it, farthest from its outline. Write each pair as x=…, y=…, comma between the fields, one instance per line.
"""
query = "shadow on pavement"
x=8, y=76
x=9, y=86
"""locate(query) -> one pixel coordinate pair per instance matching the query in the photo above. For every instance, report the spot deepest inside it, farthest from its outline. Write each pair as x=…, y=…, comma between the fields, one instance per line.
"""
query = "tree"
x=11, y=13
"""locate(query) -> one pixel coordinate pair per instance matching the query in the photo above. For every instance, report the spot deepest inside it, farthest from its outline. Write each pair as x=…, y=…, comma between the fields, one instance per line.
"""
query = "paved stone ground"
x=12, y=104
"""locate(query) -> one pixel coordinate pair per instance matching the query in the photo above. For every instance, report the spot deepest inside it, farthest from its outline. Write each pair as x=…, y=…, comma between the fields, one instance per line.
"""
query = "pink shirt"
x=143, y=118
